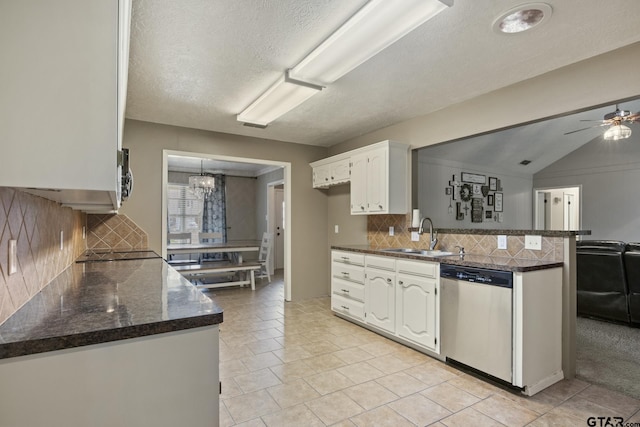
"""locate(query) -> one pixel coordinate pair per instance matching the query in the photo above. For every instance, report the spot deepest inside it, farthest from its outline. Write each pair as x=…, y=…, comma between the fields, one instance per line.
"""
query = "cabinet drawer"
x=348, y=272
x=347, y=306
x=348, y=257
x=347, y=289
x=381, y=262
x=418, y=268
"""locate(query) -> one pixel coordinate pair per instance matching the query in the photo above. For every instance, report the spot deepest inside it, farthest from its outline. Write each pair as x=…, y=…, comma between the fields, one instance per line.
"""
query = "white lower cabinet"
x=379, y=298
x=394, y=296
x=347, y=284
x=417, y=308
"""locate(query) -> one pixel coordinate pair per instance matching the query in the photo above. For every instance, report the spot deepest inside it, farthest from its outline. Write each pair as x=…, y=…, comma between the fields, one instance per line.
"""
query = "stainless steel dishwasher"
x=476, y=313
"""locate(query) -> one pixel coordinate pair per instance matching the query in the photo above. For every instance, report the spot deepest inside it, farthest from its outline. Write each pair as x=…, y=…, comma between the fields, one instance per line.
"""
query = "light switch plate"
x=13, y=259
x=391, y=231
x=61, y=240
x=336, y=228
x=415, y=237
x=502, y=241
x=533, y=242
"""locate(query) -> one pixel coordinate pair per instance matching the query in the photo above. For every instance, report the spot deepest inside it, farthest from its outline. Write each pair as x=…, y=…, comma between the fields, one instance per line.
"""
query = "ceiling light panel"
x=377, y=25
x=283, y=96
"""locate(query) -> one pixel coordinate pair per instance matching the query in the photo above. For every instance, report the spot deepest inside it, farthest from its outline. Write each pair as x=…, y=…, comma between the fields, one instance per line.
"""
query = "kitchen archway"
x=259, y=166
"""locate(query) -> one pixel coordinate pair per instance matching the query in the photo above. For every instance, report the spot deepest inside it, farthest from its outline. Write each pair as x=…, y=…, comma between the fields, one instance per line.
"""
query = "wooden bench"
x=191, y=271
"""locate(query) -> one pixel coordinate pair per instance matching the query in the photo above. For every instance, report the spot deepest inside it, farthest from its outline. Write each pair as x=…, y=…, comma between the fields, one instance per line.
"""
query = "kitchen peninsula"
x=397, y=284
x=112, y=343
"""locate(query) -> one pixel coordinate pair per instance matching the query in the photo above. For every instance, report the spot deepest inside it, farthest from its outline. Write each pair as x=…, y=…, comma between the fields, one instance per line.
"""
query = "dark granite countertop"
x=97, y=302
x=468, y=260
x=509, y=232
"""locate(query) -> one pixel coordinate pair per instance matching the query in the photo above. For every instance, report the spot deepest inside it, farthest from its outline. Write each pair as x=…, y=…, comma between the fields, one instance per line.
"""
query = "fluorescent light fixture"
x=616, y=132
x=283, y=96
x=377, y=25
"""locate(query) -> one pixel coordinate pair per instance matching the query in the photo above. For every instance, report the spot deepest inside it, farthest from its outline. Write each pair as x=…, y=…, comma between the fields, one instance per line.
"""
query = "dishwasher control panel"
x=477, y=275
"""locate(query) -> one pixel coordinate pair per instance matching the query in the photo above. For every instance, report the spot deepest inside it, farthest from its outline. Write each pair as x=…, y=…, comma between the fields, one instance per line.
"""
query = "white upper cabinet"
x=380, y=179
x=64, y=78
x=328, y=172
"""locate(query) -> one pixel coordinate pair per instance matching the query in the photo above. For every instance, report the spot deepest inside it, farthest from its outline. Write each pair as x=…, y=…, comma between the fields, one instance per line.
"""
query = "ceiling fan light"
x=616, y=132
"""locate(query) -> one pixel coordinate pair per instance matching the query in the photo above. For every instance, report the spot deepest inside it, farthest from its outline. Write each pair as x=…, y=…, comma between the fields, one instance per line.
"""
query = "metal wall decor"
x=475, y=188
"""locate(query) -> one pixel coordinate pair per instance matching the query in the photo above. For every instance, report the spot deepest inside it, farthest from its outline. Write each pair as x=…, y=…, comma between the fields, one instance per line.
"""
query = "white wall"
x=434, y=176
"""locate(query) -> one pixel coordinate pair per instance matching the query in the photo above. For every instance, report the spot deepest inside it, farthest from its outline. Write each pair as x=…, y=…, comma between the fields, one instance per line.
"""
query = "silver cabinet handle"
x=380, y=206
x=389, y=280
x=344, y=273
x=401, y=282
x=346, y=258
x=346, y=291
x=345, y=307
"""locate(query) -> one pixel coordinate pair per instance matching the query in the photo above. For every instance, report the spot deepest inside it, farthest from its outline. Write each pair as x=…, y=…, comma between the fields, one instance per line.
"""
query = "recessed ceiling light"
x=522, y=18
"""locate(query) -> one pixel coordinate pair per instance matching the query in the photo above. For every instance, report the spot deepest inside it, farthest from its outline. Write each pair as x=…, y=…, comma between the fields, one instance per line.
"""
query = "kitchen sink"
x=421, y=252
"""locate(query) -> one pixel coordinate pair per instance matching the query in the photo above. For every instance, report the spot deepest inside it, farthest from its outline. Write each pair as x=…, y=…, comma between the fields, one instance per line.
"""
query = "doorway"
x=262, y=169
x=557, y=208
x=276, y=222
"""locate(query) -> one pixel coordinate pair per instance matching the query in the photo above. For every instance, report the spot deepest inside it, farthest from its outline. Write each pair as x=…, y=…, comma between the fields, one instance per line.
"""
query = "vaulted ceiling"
x=198, y=63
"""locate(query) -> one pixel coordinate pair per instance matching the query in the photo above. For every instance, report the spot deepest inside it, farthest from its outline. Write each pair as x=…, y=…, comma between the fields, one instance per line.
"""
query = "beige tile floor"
x=296, y=364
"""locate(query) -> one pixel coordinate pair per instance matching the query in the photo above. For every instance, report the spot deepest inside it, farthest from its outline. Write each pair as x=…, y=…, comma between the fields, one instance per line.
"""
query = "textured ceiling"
x=198, y=63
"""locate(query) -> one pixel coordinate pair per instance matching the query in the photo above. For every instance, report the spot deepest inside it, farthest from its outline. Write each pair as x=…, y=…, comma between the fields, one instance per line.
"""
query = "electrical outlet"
x=533, y=242
x=502, y=241
x=61, y=240
x=415, y=237
x=336, y=229
x=13, y=258
x=391, y=231
x=84, y=232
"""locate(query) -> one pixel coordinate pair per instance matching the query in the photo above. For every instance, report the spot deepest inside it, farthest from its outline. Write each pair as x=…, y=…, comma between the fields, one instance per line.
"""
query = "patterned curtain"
x=214, y=213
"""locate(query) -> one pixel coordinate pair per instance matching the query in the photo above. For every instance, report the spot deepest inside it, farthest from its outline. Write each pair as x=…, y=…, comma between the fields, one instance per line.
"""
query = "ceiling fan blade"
x=579, y=130
x=633, y=118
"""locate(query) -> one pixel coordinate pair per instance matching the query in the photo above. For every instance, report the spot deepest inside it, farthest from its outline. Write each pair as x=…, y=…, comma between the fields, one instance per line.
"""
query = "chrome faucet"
x=433, y=241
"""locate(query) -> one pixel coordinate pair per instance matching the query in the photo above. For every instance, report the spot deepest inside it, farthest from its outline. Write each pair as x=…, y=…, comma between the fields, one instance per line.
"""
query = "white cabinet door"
x=417, y=310
x=379, y=298
x=340, y=171
x=359, y=184
x=321, y=175
x=377, y=180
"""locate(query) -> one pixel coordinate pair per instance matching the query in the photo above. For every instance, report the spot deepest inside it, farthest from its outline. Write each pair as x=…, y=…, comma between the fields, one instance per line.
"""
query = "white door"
x=380, y=300
x=278, y=248
x=417, y=310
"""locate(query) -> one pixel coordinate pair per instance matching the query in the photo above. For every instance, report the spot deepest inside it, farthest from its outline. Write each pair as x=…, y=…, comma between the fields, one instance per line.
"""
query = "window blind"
x=184, y=209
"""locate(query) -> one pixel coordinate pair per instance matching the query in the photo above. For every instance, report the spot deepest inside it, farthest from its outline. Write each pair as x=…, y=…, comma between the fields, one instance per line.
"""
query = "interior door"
x=278, y=248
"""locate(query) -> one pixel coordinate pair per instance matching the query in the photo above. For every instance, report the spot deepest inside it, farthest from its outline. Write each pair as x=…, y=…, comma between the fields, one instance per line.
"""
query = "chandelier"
x=202, y=185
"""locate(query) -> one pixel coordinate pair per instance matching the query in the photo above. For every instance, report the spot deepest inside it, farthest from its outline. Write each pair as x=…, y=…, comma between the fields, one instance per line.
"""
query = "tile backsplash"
x=481, y=244
x=35, y=223
x=114, y=232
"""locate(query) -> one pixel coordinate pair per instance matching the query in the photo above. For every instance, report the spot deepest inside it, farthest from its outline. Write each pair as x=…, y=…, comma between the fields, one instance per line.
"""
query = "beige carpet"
x=609, y=354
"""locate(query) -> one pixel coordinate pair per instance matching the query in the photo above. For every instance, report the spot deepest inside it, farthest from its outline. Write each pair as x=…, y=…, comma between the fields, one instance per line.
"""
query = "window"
x=184, y=209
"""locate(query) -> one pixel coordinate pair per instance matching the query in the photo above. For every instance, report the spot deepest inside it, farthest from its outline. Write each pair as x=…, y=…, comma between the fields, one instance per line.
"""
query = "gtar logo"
x=605, y=421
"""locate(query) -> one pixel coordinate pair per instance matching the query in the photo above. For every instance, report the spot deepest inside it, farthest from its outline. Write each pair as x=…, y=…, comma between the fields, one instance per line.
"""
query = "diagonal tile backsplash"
x=114, y=232
x=482, y=244
x=35, y=223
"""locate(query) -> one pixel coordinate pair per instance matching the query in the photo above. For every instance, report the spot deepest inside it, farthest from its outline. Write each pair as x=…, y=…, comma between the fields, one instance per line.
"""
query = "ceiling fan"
x=614, y=120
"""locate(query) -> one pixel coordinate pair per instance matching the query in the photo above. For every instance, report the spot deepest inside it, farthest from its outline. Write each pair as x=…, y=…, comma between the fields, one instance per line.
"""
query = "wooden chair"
x=264, y=256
